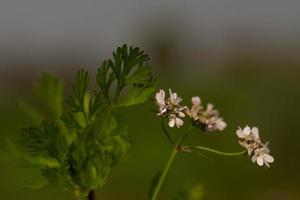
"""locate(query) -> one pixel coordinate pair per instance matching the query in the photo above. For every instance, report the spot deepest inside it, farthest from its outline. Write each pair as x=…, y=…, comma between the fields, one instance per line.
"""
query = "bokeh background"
x=244, y=56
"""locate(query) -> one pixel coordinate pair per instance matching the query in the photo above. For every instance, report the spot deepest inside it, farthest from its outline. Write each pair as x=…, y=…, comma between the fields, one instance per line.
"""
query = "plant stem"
x=80, y=195
x=91, y=195
x=220, y=152
x=166, y=132
x=175, y=151
x=164, y=173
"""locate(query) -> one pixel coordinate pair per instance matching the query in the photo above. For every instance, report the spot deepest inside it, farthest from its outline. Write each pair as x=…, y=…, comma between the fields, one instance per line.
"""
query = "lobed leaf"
x=129, y=68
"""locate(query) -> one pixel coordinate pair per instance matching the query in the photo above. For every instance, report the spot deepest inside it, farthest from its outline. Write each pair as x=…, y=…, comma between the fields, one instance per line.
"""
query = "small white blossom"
x=160, y=100
x=210, y=111
x=170, y=108
x=174, y=99
x=262, y=157
x=248, y=134
x=174, y=120
x=195, y=109
x=213, y=121
x=196, y=101
x=207, y=119
x=216, y=123
x=250, y=140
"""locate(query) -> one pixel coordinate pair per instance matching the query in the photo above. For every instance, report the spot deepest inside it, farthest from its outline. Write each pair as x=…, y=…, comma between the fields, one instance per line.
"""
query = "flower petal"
x=160, y=98
x=172, y=122
x=178, y=122
x=240, y=133
x=247, y=131
x=210, y=107
x=181, y=114
x=196, y=101
x=255, y=132
x=220, y=124
x=260, y=160
x=163, y=110
x=268, y=158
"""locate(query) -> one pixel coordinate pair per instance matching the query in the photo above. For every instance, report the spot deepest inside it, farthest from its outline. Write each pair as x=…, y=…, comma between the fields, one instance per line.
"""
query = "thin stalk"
x=175, y=151
x=166, y=132
x=184, y=136
x=240, y=153
x=164, y=174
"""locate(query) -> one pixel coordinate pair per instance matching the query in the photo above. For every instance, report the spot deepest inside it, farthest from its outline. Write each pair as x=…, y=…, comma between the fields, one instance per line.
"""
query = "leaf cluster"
x=129, y=69
x=88, y=135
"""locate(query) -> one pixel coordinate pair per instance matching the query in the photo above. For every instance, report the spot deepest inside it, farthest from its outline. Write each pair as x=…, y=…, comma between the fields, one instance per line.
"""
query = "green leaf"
x=76, y=102
x=140, y=76
x=48, y=101
x=70, y=121
x=45, y=140
x=49, y=91
x=30, y=111
x=137, y=96
x=9, y=152
x=96, y=103
x=130, y=69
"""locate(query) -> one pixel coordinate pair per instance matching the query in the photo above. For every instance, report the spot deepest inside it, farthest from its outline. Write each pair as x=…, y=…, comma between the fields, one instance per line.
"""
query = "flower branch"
x=166, y=132
x=190, y=149
x=206, y=119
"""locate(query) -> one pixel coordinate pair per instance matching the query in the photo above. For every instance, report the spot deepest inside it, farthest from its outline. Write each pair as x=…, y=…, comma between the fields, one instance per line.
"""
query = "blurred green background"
x=246, y=63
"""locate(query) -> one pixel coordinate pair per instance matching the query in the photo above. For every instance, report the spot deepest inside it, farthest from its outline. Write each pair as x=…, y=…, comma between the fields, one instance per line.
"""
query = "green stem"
x=164, y=173
x=169, y=164
x=166, y=132
x=180, y=141
x=220, y=152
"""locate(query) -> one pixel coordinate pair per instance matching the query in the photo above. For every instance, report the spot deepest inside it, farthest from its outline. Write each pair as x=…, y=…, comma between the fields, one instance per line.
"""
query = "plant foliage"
x=88, y=136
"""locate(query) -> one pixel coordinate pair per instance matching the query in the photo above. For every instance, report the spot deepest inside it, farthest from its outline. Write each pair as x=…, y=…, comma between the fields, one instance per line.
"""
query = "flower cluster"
x=170, y=108
x=250, y=140
x=205, y=118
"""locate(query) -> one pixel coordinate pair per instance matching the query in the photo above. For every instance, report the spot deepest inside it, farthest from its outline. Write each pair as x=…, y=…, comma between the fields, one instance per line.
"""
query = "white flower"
x=195, y=109
x=210, y=111
x=207, y=119
x=170, y=108
x=174, y=120
x=174, y=99
x=247, y=133
x=220, y=124
x=160, y=100
x=262, y=157
x=249, y=139
x=196, y=101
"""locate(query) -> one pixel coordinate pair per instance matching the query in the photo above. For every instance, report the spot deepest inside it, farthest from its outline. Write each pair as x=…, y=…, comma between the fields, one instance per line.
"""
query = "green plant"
x=79, y=142
x=75, y=143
